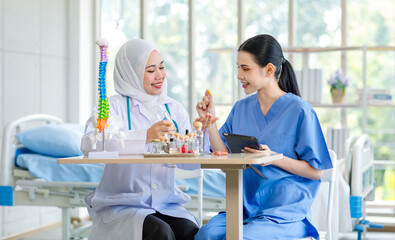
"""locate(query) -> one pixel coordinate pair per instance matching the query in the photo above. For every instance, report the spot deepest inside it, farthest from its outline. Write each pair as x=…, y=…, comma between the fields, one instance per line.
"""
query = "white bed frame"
x=30, y=191
x=360, y=169
x=359, y=174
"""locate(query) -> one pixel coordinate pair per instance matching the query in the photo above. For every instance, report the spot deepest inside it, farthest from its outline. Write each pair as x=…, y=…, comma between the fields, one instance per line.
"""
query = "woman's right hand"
x=206, y=105
x=206, y=121
x=159, y=129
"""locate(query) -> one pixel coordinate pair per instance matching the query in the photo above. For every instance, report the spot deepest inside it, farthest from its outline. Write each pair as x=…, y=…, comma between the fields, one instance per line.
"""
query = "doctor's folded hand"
x=159, y=129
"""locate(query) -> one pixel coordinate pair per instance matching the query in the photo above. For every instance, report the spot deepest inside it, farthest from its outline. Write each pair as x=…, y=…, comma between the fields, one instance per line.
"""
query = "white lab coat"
x=127, y=193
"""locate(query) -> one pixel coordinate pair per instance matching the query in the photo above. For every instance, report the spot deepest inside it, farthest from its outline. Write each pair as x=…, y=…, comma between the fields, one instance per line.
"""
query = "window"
x=318, y=23
x=168, y=30
x=118, y=24
x=374, y=25
x=269, y=17
x=215, y=53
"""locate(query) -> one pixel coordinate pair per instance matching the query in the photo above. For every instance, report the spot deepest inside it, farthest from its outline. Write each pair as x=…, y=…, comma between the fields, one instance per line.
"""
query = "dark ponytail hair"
x=266, y=49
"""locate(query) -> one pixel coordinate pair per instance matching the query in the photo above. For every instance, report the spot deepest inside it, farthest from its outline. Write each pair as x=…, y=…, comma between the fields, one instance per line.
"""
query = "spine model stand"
x=103, y=106
x=107, y=127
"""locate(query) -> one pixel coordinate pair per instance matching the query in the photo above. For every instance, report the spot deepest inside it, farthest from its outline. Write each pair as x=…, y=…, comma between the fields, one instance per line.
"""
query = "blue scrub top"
x=290, y=127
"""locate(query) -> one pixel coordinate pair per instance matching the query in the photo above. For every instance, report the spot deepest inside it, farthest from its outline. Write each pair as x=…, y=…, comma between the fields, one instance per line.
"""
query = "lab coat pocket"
x=126, y=199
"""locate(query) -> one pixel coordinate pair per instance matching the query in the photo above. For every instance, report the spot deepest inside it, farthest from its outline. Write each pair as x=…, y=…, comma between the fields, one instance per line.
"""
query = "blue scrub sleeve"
x=310, y=143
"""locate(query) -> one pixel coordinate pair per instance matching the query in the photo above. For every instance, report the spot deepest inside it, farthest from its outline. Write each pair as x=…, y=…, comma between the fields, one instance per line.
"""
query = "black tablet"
x=237, y=142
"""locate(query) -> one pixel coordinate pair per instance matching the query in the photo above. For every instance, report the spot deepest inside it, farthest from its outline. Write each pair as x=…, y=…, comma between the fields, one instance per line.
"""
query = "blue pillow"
x=62, y=140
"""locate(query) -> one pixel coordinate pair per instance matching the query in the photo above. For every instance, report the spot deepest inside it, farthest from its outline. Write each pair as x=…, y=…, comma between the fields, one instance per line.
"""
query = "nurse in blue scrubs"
x=279, y=207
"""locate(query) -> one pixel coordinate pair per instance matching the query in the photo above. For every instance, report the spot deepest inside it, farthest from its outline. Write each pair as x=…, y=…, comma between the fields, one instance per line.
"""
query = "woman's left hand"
x=265, y=150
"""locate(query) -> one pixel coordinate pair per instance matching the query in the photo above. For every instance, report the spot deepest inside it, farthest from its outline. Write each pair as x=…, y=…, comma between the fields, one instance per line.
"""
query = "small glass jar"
x=195, y=144
x=154, y=146
x=178, y=142
x=172, y=146
x=163, y=145
x=199, y=135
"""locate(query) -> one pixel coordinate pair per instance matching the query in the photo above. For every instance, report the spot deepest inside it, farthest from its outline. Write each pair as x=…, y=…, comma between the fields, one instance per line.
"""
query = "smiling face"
x=154, y=74
x=252, y=76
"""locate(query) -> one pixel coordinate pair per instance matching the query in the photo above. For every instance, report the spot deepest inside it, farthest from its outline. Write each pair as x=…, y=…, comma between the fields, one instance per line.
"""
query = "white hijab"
x=129, y=73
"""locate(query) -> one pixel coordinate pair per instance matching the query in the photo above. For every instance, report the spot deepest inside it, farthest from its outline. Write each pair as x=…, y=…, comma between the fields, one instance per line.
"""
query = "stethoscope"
x=128, y=99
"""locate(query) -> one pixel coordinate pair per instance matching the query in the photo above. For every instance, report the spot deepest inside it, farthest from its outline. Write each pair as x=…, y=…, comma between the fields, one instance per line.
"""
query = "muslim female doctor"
x=279, y=207
x=139, y=201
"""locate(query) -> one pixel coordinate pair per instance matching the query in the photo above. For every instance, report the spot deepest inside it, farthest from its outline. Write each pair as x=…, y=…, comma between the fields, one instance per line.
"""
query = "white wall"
x=54, y=60
x=1, y=92
x=43, y=44
x=1, y=76
x=35, y=49
x=82, y=51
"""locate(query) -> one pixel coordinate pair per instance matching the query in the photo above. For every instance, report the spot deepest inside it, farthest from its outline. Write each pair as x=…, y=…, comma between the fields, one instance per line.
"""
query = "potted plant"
x=338, y=83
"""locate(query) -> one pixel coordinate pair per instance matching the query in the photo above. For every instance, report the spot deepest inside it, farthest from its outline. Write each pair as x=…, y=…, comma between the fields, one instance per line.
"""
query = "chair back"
x=325, y=199
x=330, y=177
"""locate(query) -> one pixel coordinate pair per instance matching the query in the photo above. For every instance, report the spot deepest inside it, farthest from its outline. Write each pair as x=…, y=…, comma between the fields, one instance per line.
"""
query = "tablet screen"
x=237, y=142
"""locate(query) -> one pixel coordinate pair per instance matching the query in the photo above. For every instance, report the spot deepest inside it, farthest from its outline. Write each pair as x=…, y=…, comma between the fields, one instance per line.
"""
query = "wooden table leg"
x=234, y=204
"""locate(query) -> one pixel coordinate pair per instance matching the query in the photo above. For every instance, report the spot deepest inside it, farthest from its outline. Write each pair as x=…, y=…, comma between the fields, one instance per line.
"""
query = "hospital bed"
x=32, y=179
x=359, y=174
x=27, y=189
x=354, y=186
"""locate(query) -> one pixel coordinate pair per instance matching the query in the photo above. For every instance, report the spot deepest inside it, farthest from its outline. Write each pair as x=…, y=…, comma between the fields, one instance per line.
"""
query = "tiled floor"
x=50, y=234
x=55, y=234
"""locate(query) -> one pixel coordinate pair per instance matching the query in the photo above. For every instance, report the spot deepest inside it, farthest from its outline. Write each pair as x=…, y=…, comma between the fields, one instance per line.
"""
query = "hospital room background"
x=49, y=62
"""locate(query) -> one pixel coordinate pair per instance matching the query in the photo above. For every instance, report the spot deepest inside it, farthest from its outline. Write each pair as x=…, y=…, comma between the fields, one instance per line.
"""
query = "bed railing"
x=9, y=142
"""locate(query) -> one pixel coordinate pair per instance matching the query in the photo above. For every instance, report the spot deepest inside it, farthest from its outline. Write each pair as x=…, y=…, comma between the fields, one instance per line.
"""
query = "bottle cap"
x=197, y=124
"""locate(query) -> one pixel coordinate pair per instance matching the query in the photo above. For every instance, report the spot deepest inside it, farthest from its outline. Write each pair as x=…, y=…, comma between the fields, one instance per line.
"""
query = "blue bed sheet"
x=47, y=168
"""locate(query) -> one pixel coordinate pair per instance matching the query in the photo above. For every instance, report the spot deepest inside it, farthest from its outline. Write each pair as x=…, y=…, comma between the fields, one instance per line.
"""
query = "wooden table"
x=232, y=163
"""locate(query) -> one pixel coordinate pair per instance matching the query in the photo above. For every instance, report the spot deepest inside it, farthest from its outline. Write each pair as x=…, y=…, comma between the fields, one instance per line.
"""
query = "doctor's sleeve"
x=310, y=142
